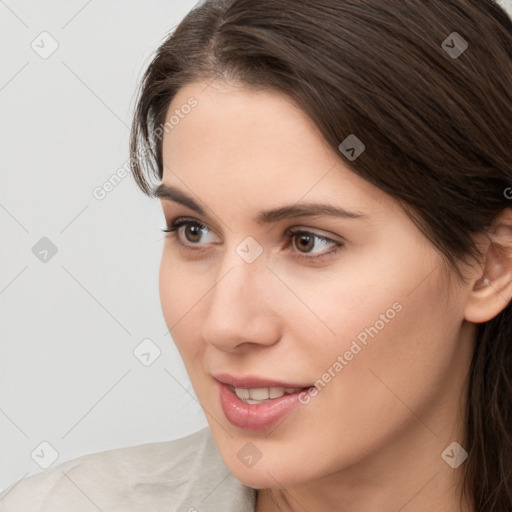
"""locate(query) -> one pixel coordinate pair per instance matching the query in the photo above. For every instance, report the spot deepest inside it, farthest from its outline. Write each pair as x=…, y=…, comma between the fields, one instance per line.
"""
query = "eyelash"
x=178, y=223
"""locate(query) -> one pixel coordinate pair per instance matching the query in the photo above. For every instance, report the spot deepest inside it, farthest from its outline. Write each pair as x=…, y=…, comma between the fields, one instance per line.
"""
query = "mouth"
x=253, y=389
x=256, y=403
x=262, y=395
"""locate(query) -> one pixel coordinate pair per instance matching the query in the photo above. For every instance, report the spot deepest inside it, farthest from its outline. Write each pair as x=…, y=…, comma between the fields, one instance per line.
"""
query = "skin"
x=372, y=438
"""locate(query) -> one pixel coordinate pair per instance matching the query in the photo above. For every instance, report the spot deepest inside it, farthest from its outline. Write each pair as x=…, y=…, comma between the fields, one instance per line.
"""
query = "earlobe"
x=492, y=290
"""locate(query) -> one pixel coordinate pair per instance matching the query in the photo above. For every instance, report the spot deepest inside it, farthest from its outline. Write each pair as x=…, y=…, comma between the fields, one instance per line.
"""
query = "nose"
x=241, y=306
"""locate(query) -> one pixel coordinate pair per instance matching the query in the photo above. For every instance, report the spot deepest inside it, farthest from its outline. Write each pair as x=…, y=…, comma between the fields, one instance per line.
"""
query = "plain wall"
x=68, y=326
x=70, y=321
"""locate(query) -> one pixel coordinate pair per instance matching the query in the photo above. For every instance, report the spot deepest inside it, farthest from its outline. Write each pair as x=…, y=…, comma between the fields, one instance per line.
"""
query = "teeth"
x=258, y=395
x=241, y=393
x=276, y=392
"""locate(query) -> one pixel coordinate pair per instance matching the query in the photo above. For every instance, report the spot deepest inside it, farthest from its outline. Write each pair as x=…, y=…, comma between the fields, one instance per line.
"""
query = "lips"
x=253, y=382
x=240, y=410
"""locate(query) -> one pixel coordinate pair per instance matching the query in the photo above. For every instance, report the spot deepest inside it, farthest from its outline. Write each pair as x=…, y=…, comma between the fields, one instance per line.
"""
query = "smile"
x=254, y=403
x=261, y=395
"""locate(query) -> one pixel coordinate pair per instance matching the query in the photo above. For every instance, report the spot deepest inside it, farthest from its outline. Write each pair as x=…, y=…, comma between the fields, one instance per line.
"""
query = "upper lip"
x=253, y=382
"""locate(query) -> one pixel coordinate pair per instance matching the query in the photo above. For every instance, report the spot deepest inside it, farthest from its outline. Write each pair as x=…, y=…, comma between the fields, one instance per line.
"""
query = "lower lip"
x=256, y=416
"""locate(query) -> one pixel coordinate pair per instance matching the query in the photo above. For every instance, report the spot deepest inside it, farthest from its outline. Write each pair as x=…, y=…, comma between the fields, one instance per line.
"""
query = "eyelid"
x=308, y=229
x=187, y=220
x=176, y=224
x=317, y=232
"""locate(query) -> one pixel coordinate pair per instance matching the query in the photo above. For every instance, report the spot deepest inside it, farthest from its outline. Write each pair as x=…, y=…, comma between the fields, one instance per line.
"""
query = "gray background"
x=68, y=375
x=71, y=322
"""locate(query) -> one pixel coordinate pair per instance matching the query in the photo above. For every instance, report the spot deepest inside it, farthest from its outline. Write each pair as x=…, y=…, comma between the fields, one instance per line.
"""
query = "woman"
x=336, y=177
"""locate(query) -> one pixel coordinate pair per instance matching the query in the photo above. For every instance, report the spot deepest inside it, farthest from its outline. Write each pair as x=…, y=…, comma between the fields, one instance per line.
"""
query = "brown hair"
x=437, y=129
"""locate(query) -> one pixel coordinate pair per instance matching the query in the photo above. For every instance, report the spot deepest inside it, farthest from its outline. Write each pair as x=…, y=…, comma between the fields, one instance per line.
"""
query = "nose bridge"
x=244, y=268
x=239, y=282
x=239, y=309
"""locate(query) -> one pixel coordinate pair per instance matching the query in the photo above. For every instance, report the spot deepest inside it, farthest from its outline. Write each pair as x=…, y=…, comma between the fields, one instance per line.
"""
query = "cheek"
x=179, y=296
x=182, y=284
x=390, y=307
x=394, y=346
x=387, y=312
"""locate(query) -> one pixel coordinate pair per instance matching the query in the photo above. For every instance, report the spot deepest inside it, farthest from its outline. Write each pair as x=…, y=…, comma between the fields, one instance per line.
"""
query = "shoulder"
x=183, y=475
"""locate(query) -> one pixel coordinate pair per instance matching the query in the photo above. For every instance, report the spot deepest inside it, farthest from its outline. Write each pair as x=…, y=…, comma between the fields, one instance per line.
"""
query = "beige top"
x=184, y=475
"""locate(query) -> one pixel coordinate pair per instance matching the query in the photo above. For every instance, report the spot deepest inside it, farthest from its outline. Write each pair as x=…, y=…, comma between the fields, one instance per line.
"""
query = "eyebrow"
x=170, y=193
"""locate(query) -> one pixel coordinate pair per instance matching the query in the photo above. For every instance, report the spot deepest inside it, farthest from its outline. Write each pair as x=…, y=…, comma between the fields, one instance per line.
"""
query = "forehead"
x=259, y=142
x=244, y=120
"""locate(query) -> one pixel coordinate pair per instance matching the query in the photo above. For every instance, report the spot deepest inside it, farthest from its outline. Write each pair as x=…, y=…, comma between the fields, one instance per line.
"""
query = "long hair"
x=427, y=87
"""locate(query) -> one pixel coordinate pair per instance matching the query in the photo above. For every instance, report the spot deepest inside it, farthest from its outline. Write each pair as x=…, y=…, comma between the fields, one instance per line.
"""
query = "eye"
x=193, y=230
x=306, y=240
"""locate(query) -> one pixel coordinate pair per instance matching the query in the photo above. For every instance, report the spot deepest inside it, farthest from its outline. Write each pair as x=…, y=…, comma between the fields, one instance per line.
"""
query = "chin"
x=273, y=470
x=264, y=478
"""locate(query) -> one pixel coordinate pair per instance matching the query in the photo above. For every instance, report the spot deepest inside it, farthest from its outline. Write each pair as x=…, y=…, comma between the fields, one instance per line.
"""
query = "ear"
x=492, y=286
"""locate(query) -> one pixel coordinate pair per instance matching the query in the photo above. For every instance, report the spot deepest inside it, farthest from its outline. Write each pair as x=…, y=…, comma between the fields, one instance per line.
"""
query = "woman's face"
x=363, y=312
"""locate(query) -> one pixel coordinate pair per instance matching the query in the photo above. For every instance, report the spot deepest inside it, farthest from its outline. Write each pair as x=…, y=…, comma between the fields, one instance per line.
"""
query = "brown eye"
x=304, y=241
x=194, y=230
